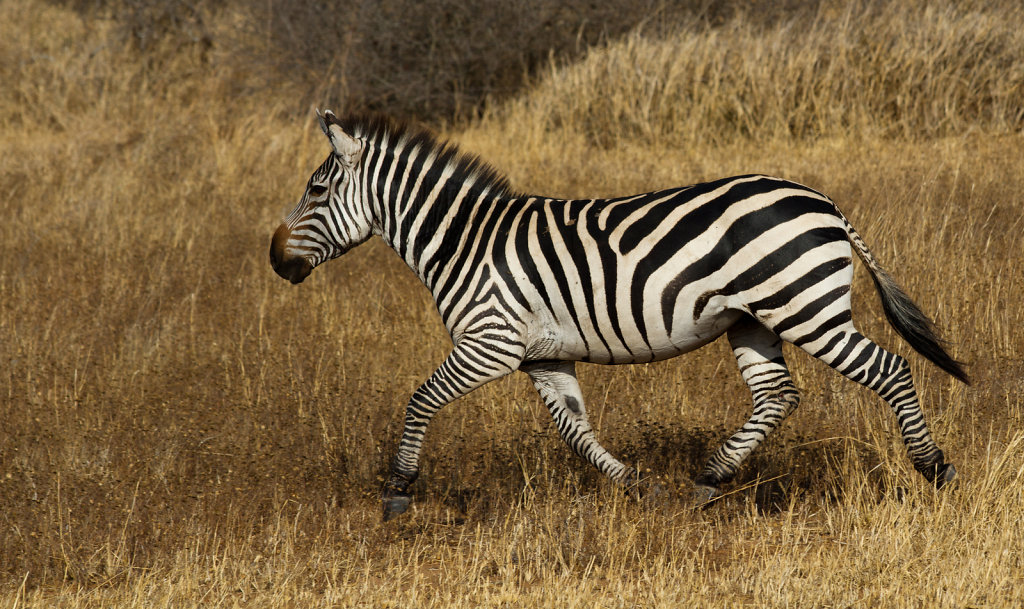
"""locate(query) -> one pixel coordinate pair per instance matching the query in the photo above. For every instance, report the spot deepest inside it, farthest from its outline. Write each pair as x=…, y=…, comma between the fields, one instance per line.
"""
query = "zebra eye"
x=317, y=190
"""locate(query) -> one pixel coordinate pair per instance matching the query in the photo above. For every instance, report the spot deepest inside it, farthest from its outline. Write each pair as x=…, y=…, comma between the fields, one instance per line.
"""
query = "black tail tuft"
x=905, y=316
x=914, y=326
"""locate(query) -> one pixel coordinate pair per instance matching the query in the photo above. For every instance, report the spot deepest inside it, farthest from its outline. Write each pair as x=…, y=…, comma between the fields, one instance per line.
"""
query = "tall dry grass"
x=862, y=69
x=180, y=427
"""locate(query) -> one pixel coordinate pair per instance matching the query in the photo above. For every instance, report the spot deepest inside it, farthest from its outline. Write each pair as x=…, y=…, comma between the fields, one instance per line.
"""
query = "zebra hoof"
x=650, y=492
x=704, y=495
x=643, y=487
x=395, y=504
x=944, y=474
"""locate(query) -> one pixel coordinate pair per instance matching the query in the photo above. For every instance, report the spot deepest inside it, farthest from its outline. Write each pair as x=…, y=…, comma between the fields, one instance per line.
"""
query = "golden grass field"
x=180, y=427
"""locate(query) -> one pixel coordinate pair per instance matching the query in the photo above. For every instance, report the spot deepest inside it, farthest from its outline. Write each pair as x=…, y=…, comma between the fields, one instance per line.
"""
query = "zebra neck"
x=428, y=198
x=444, y=232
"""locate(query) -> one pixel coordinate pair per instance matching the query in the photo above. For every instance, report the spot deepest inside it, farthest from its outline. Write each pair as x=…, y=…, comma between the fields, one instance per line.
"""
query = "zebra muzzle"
x=293, y=268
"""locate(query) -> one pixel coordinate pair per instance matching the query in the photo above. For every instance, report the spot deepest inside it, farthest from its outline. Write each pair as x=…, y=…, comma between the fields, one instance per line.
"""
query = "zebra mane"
x=466, y=166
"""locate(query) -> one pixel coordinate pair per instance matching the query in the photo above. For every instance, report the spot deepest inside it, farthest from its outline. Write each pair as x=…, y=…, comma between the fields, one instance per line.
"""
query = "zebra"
x=538, y=284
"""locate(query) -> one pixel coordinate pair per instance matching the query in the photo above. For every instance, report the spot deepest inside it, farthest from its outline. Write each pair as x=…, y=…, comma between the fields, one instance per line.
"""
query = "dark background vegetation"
x=440, y=60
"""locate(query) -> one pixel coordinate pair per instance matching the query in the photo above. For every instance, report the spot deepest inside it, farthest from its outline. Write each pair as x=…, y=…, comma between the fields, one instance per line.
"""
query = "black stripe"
x=401, y=165
x=861, y=359
x=811, y=309
x=693, y=224
x=578, y=254
x=377, y=163
x=417, y=166
x=458, y=282
x=843, y=317
x=462, y=213
x=466, y=223
x=436, y=209
x=855, y=339
x=763, y=269
x=547, y=251
x=655, y=212
x=522, y=248
x=790, y=291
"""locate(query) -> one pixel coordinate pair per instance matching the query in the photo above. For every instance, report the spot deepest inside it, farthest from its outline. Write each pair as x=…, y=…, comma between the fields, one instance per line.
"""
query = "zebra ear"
x=347, y=148
x=325, y=118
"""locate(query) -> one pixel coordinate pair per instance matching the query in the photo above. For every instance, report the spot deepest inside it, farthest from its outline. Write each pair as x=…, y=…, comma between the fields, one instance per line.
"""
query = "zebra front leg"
x=470, y=365
x=758, y=353
x=556, y=382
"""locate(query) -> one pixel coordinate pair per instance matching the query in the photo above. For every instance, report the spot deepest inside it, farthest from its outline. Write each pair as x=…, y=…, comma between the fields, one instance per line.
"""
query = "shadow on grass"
x=788, y=467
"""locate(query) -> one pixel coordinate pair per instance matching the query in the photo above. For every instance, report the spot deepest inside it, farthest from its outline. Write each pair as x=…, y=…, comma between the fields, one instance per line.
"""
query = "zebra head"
x=332, y=217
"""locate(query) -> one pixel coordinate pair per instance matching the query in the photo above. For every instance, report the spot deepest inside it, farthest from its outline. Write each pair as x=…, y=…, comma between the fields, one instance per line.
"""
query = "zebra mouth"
x=294, y=269
x=298, y=273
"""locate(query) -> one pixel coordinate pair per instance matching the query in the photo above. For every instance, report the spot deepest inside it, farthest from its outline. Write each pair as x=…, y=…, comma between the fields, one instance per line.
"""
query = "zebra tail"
x=904, y=315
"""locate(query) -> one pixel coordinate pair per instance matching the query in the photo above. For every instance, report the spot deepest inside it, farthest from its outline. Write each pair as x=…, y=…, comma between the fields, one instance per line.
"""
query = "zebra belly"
x=565, y=342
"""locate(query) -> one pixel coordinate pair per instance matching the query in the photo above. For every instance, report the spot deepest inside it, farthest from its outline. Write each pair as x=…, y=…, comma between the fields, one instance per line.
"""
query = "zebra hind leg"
x=556, y=382
x=859, y=359
x=758, y=353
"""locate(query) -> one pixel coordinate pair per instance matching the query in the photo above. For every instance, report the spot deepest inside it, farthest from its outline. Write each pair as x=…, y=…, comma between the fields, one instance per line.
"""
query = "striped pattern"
x=536, y=284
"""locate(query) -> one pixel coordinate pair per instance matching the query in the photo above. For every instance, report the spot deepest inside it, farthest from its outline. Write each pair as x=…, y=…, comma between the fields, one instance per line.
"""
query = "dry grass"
x=179, y=427
x=907, y=69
